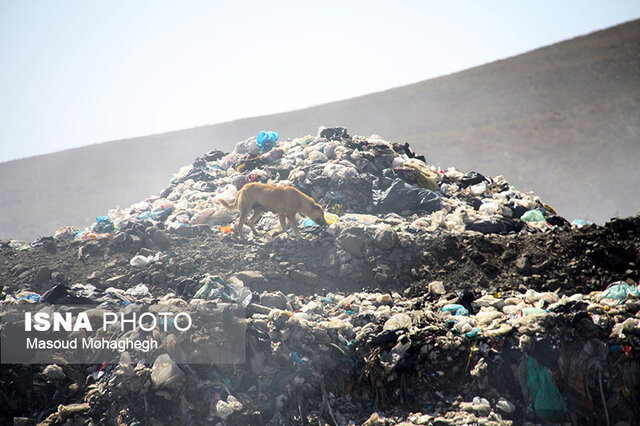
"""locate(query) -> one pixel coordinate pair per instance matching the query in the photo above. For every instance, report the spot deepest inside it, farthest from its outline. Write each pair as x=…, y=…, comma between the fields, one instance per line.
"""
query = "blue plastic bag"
x=455, y=309
x=296, y=358
x=267, y=140
x=31, y=297
x=103, y=225
x=474, y=332
x=306, y=222
x=620, y=290
x=157, y=215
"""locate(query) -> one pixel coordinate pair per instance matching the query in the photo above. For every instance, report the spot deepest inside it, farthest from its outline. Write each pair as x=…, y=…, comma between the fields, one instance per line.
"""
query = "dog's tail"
x=232, y=206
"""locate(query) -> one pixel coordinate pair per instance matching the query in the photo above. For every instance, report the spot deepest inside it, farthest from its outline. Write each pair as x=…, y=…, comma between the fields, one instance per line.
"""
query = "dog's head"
x=317, y=215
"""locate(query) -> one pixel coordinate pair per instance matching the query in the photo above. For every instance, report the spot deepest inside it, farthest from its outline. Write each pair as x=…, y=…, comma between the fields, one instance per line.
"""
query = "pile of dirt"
x=566, y=260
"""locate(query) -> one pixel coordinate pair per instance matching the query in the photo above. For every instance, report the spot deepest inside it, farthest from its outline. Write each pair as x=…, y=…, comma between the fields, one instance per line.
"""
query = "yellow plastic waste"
x=425, y=177
x=331, y=218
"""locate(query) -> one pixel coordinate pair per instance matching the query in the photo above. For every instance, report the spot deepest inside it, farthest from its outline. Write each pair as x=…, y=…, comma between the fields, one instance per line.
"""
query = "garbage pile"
x=433, y=297
x=359, y=175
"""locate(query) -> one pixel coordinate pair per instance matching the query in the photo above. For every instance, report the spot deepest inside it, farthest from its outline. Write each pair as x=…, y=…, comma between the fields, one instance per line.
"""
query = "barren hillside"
x=563, y=120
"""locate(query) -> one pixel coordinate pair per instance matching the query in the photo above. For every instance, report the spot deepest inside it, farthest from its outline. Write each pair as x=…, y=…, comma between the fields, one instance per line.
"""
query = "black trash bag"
x=214, y=155
x=197, y=175
x=335, y=134
x=253, y=163
x=496, y=225
x=54, y=293
x=406, y=149
x=558, y=221
x=64, y=295
x=466, y=295
x=472, y=178
x=517, y=209
x=475, y=203
x=401, y=196
x=386, y=336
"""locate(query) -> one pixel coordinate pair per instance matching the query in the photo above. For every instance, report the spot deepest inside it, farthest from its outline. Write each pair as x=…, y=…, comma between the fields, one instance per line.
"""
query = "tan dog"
x=285, y=201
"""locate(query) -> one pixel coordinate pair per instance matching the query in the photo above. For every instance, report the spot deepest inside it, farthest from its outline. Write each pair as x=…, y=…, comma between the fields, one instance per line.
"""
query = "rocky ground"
x=355, y=323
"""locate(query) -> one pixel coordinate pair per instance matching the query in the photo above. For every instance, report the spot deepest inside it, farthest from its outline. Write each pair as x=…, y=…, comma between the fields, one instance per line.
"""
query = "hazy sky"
x=74, y=73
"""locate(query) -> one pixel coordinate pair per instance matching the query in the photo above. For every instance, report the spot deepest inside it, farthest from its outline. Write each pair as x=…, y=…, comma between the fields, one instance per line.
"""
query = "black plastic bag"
x=401, y=196
x=472, y=178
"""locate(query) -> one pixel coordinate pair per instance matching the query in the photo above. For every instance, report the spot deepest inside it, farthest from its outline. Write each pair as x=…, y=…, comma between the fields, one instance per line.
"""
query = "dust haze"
x=561, y=121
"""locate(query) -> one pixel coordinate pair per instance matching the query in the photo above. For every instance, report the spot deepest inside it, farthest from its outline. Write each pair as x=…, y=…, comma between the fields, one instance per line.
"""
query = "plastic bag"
x=495, y=225
x=306, y=222
x=425, y=177
x=210, y=283
x=213, y=216
x=139, y=261
x=335, y=172
x=103, y=225
x=401, y=196
x=161, y=210
x=471, y=178
x=545, y=398
x=333, y=133
x=620, y=290
x=305, y=140
x=579, y=223
x=533, y=216
x=331, y=218
x=247, y=146
x=228, y=194
x=267, y=140
x=455, y=309
x=317, y=157
x=66, y=233
x=88, y=235
x=490, y=208
x=140, y=290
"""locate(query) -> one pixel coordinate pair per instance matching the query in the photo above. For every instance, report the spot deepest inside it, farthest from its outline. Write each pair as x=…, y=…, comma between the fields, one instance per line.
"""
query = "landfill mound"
x=433, y=297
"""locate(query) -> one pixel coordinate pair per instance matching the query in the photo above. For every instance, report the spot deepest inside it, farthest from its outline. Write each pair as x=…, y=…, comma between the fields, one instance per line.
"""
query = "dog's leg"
x=283, y=225
x=257, y=212
x=294, y=225
x=241, y=221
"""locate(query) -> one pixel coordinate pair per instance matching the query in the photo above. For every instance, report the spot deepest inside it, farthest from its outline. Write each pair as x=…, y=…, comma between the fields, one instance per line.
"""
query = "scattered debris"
x=433, y=297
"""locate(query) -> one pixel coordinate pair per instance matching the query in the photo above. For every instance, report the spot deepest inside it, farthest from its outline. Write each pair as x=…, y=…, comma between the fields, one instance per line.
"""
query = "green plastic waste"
x=209, y=287
x=533, y=216
x=545, y=398
x=620, y=290
x=533, y=312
